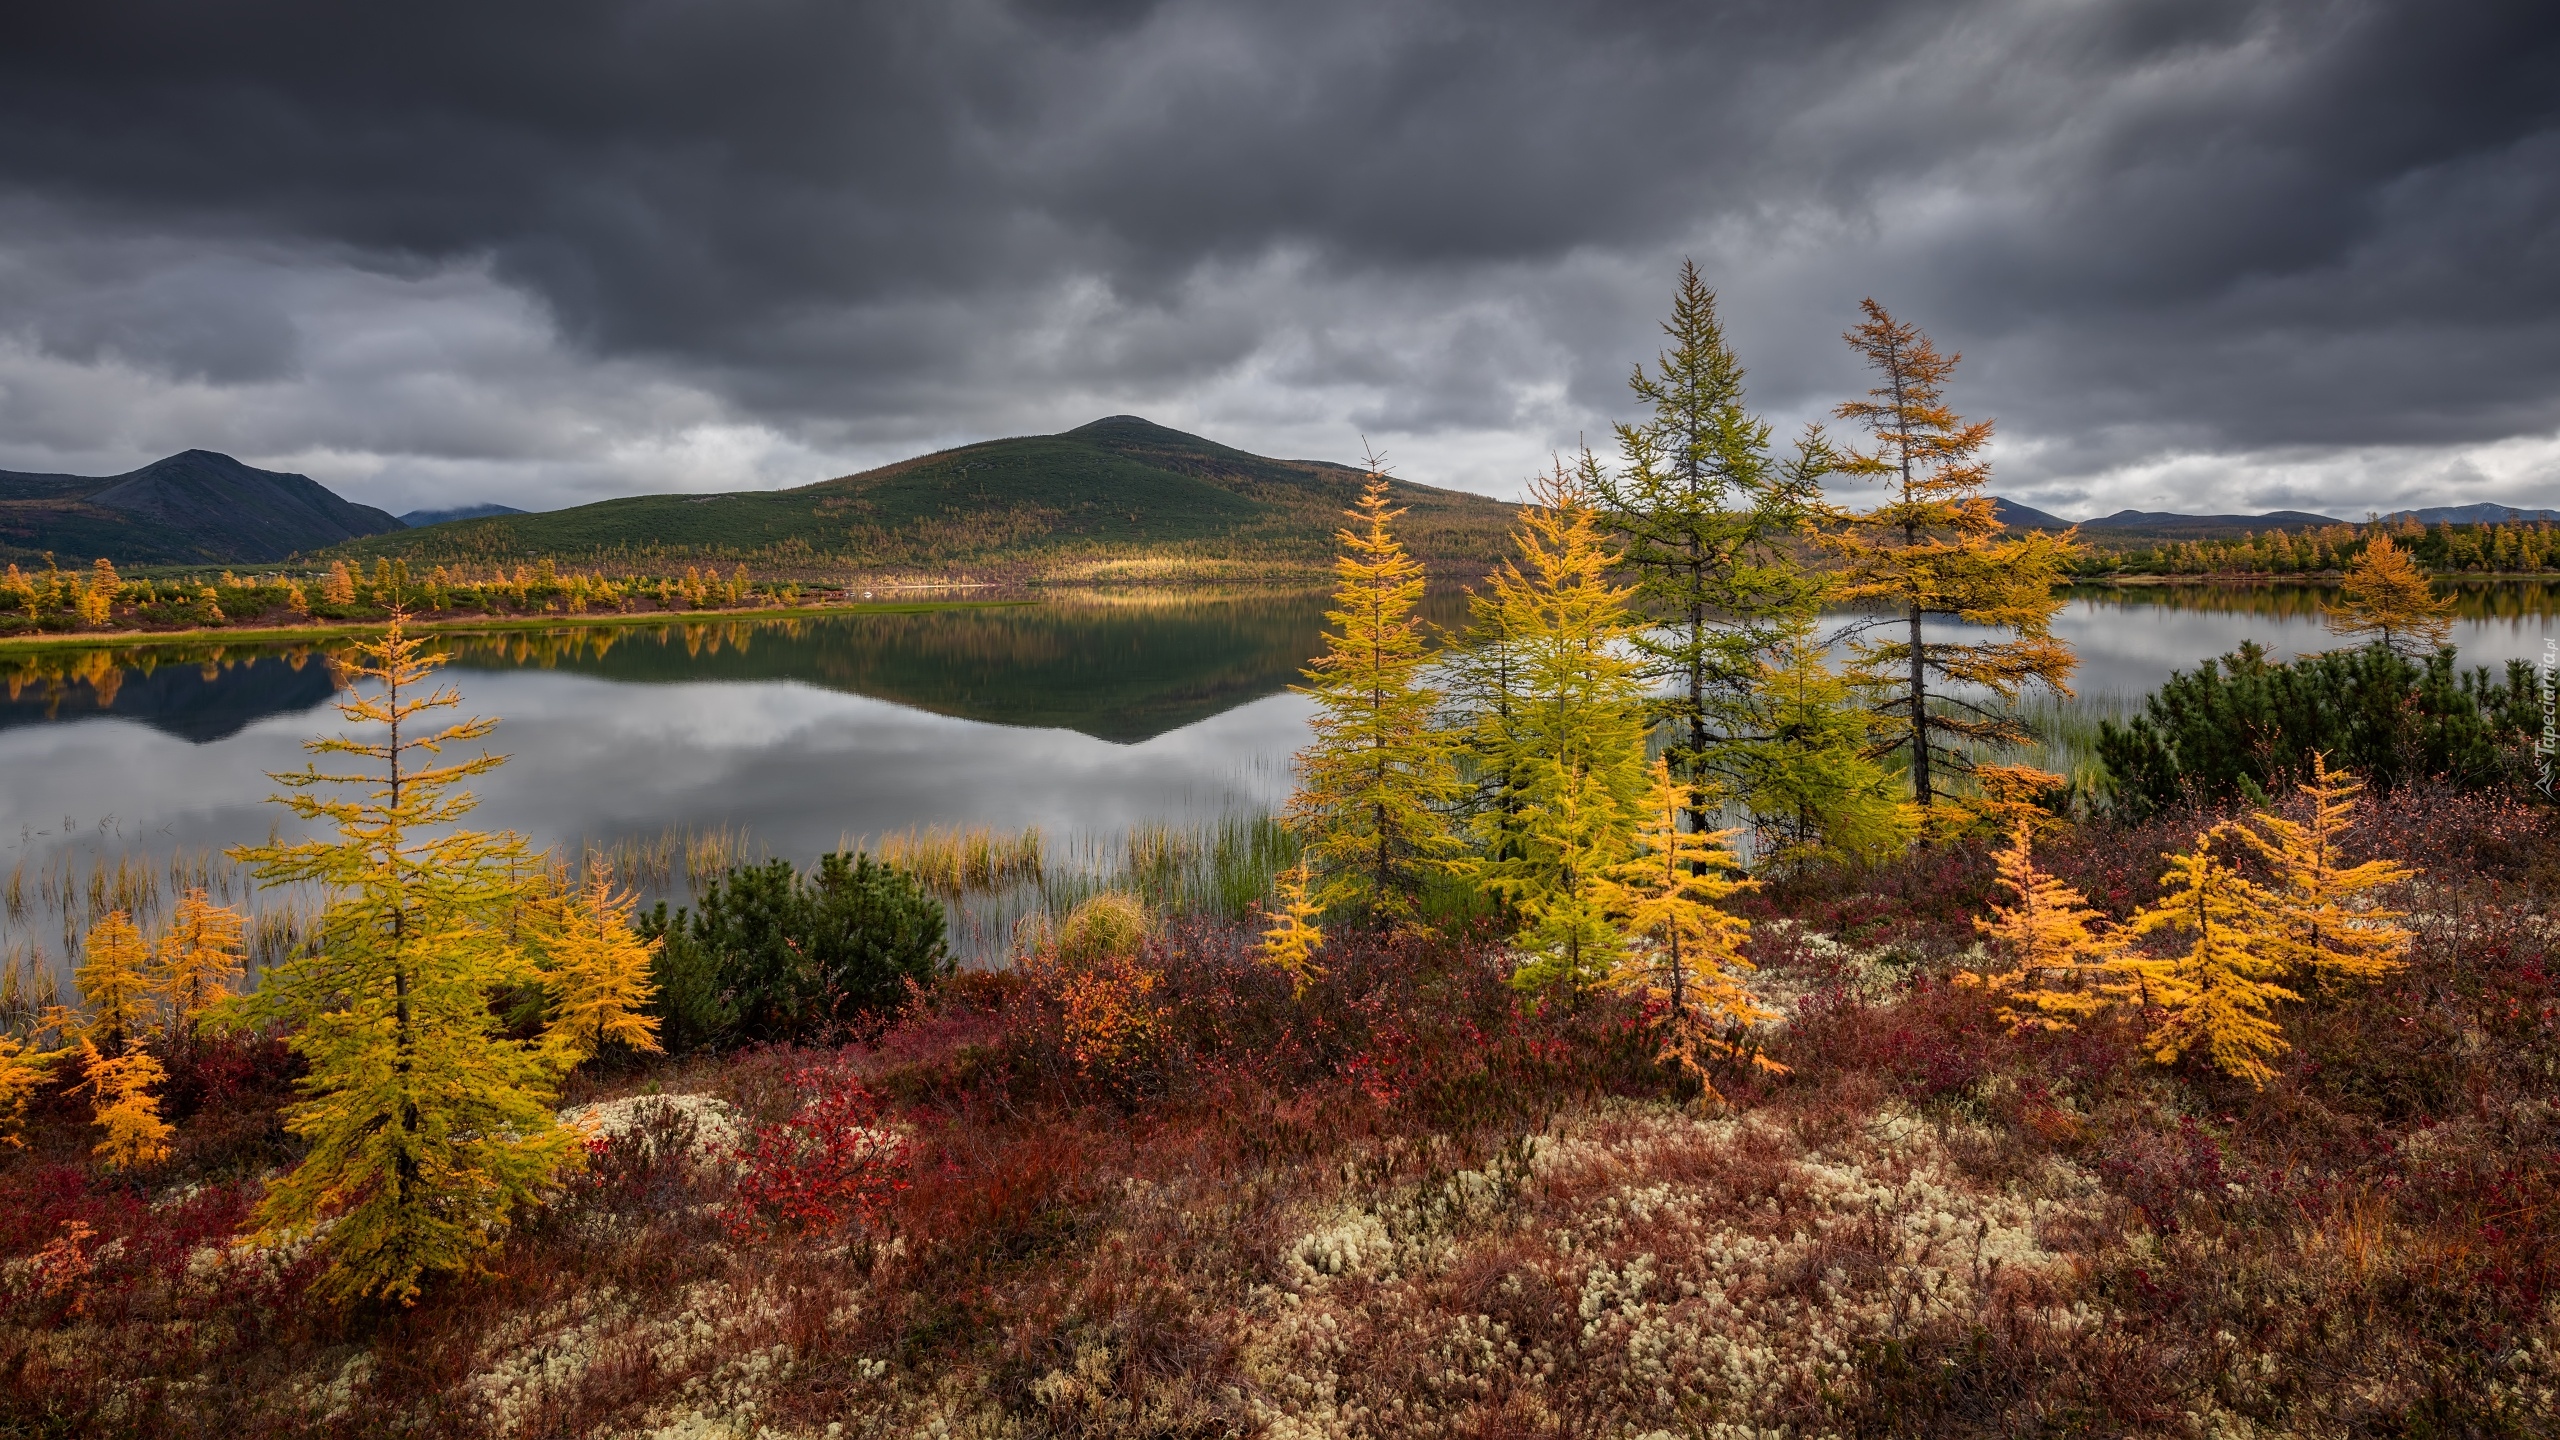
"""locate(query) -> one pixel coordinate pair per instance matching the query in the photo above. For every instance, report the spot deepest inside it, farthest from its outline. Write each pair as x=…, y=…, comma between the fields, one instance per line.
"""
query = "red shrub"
x=830, y=1165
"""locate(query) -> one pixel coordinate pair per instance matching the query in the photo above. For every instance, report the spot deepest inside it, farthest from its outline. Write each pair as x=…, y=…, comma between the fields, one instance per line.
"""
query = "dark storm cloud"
x=2157, y=229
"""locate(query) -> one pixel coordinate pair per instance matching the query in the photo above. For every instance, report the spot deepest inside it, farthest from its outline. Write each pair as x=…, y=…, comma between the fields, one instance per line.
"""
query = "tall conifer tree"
x=1709, y=518
x=1934, y=550
x=1572, y=746
x=427, y=1128
x=1375, y=783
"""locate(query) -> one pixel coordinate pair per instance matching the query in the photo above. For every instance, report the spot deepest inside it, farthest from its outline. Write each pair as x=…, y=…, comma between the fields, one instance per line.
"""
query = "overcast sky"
x=2198, y=254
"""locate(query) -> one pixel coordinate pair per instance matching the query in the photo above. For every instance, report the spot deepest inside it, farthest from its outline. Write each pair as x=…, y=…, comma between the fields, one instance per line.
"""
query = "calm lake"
x=1083, y=714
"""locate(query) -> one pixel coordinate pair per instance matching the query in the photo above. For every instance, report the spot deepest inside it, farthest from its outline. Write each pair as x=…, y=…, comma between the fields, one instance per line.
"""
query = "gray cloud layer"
x=2198, y=252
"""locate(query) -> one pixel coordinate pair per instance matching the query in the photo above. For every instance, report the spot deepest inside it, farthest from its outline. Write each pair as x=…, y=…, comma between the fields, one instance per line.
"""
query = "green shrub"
x=774, y=955
x=2243, y=727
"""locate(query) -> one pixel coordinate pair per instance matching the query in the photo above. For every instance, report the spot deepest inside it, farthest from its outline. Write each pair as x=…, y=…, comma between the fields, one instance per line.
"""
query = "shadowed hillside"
x=193, y=507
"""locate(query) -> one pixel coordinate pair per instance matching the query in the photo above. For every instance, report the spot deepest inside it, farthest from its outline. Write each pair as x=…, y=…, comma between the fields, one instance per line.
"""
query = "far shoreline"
x=489, y=624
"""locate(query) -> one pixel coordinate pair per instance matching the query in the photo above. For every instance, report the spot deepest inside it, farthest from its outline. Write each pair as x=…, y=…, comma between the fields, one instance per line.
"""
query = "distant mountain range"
x=2481, y=514
x=193, y=507
x=1119, y=487
x=2155, y=525
x=419, y=519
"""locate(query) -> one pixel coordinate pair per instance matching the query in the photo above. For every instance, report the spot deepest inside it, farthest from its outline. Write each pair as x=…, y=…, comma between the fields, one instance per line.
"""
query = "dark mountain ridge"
x=194, y=507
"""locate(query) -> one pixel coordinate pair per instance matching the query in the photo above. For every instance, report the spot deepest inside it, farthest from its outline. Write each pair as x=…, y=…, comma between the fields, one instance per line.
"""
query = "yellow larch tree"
x=340, y=588
x=115, y=983
x=2060, y=956
x=1934, y=550
x=1374, y=783
x=2327, y=924
x=2216, y=994
x=2386, y=597
x=123, y=1105
x=1570, y=746
x=2003, y=798
x=22, y=1070
x=597, y=970
x=97, y=603
x=1290, y=945
x=427, y=1128
x=1682, y=949
x=200, y=954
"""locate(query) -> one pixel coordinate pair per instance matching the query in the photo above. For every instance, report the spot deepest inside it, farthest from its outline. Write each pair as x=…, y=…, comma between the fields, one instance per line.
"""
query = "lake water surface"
x=1083, y=714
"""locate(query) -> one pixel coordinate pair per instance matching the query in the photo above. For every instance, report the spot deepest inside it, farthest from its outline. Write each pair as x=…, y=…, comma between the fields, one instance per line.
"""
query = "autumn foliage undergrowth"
x=1413, y=1201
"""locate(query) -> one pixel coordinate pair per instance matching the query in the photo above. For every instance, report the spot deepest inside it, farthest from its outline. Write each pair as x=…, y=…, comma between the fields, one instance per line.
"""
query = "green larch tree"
x=427, y=1128
x=1376, y=783
x=1934, y=550
x=1572, y=747
x=1710, y=521
x=1810, y=783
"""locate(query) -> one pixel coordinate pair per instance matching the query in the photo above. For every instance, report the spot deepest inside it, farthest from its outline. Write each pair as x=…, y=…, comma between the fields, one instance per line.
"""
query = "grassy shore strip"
x=93, y=639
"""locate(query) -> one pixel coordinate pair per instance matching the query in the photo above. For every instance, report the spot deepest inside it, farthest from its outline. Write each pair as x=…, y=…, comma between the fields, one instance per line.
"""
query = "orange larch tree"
x=2216, y=994
x=200, y=955
x=597, y=970
x=2327, y=925
x=1934, y=550
x=2060, y=954
x=1290, y=945
x=1683, y=950
x=2387, y=597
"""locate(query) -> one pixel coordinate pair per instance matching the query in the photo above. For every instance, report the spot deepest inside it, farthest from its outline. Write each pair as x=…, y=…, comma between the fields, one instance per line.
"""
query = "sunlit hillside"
x=1094, y=501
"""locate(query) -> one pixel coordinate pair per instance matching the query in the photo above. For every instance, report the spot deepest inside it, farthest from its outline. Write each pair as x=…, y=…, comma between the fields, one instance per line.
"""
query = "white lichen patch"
x=537, y=1360
x=717, y=1132
x=1711, y=1276
x=1828, y=965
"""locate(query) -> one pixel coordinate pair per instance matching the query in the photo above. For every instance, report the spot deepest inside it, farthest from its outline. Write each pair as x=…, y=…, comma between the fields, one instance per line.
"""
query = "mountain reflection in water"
x=196, y=699
x=1083, y=714
x=1122, y=668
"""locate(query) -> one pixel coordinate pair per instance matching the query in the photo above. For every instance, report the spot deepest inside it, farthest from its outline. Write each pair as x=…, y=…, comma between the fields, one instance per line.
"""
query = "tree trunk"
x=1919, y=716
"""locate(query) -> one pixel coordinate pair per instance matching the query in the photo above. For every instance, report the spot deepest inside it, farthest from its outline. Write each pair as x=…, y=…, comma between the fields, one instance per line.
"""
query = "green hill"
x=1117, y=496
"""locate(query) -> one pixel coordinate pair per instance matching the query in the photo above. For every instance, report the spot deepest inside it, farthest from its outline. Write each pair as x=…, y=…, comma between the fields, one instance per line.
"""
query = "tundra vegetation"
x=53, y=601
x=1641, y=1026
